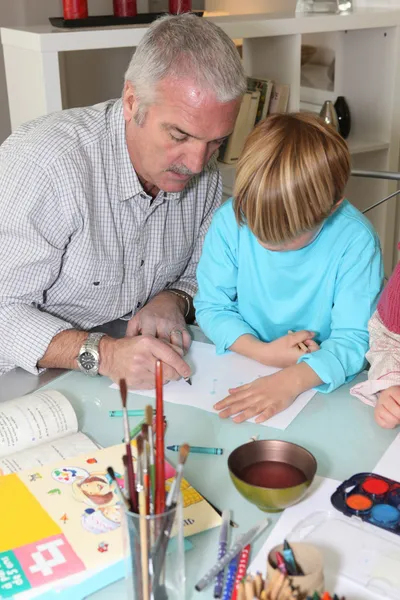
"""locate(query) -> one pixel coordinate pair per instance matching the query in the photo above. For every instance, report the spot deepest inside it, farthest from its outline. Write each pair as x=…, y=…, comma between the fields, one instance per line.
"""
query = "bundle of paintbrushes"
x=279, y=587
x=150, y=514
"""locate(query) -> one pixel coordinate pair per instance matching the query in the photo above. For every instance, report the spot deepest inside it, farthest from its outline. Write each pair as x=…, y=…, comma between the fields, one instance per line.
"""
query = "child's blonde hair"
x=292, y=171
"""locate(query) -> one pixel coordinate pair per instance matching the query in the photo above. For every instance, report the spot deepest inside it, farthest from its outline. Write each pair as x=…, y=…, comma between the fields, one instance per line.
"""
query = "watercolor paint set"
x=372, y=498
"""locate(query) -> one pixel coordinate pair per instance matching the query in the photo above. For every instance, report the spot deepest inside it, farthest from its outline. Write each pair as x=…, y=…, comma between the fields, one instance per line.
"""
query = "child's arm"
x=216, y=300
x=384, y=358
x=267, y=396
x=357, y=286
x=283, y=352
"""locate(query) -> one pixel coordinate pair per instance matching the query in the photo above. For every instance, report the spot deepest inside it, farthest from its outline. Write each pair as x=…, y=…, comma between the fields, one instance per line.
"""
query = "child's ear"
x=336, y=205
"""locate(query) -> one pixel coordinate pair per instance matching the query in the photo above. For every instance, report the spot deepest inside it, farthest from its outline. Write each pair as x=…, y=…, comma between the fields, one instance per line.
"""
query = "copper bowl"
x=271, y=499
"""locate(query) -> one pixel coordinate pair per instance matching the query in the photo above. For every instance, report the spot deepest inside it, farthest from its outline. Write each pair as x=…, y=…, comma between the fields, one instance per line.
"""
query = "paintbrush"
x=123, y=501
x=174, y=490
x=160, y=465
x=144, y=550
x=168, y=520
x=145, y=464
x=152, y=473
x=130, y=472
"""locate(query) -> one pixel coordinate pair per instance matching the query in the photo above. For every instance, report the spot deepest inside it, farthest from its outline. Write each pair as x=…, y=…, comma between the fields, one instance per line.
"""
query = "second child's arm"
x=267, y=396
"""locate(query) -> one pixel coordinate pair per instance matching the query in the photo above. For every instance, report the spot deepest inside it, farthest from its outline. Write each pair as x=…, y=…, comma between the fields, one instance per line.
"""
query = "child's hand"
x=285, y=351
x=263, y=398
x=387, y=410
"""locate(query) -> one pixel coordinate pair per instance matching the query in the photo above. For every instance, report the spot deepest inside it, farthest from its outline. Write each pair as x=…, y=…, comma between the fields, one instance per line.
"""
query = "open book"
x=60, y=524
x=39, y=429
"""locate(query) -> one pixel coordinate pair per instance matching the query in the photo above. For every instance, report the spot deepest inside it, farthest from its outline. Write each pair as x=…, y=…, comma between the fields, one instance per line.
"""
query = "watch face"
x=87, y=361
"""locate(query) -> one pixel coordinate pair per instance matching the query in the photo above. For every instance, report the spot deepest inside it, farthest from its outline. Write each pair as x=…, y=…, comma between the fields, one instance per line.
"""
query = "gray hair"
x=185, y=46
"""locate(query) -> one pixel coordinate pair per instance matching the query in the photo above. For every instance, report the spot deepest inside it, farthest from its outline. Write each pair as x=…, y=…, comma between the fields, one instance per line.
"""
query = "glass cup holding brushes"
x=154, y=546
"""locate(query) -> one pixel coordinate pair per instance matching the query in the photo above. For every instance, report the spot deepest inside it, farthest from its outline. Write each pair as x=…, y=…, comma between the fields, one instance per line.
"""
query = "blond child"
x=382, y=389
x=288, y=252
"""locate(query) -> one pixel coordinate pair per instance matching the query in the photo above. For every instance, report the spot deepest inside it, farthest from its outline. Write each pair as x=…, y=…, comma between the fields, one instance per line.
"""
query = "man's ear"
x=336, y=205
x=129, y=102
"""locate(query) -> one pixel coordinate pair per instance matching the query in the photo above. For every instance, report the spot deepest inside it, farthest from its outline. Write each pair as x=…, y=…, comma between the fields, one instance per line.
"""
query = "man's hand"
x=134, y=359
x=266, y=396
x=162, y=317
x=387, y=409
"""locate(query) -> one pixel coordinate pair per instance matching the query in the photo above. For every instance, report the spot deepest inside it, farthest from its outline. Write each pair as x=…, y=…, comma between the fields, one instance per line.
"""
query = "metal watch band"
x=89, y=357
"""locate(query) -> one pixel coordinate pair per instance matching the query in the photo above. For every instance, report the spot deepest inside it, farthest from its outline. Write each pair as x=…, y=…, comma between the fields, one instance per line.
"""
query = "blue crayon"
x=198, y=449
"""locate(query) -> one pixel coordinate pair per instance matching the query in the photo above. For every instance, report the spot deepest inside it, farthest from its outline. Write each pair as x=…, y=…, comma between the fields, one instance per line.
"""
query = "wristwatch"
x=89, y=357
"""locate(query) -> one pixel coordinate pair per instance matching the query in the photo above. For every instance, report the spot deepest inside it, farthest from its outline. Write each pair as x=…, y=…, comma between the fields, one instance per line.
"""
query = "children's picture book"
x=61, y=524
x=38, y=429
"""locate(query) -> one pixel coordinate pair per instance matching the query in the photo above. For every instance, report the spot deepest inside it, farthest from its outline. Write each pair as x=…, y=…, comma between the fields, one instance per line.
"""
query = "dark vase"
x=343, y=115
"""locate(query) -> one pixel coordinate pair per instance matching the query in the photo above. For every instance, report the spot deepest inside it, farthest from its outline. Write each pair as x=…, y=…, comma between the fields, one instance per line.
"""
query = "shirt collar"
x=128, y=181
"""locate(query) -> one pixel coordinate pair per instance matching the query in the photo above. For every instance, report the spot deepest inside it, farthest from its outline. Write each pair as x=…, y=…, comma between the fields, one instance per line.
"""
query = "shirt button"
x=142, y=262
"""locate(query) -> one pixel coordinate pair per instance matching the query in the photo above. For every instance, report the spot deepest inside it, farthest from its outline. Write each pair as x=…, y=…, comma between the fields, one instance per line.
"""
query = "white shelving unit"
x=367, y=73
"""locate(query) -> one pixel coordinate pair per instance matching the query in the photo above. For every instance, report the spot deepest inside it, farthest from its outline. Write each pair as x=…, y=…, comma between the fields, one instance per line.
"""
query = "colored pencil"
x=197, y=449
x=222, y=546
x=230, y=578
x=300, y=345
x=241, y=571
x=137, y=412
x=130, y=471
x=160, y=465
x=242, y=541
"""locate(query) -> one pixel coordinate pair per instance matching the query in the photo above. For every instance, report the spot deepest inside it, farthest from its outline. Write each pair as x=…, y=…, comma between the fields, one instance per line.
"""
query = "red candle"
x=125, y=8
x=179, y=6
x=75, y=9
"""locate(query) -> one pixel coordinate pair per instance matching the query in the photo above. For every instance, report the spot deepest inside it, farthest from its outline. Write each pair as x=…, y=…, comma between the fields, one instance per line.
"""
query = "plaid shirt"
x=81, y=243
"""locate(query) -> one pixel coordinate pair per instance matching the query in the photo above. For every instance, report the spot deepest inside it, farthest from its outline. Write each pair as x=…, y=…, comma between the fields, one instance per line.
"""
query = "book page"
x=35, y=419
x=44, y=454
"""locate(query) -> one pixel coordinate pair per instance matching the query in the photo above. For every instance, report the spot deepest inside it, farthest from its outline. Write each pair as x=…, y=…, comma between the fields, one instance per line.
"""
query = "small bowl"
x=271, y=499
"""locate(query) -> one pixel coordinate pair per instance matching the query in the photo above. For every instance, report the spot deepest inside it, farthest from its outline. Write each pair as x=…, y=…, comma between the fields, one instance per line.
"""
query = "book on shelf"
x=233, y=146
x=61, y=523
x=265, y=87
x=279, y=98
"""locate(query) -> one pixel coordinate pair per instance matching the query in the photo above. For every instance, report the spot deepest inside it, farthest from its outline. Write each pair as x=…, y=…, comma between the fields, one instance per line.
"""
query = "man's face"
x=181, y=130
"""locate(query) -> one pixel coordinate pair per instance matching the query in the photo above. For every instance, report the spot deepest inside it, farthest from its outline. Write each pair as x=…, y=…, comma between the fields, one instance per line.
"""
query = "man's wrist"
x=185, y=302
x=106, y=351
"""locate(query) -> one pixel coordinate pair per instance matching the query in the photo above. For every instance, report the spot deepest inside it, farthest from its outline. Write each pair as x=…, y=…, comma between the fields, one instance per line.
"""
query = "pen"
x=242, y=541
x=197, y=449
x=138, y=412
x=188, y=380
x=300, y=345
x=222, y=545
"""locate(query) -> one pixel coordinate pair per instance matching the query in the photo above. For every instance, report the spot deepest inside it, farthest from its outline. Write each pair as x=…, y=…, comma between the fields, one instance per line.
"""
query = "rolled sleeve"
x=33, y=238
x=359, y=280
x=26, y=334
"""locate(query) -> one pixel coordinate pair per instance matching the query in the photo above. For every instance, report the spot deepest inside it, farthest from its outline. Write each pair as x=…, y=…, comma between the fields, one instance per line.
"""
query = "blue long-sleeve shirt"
x=329, y=287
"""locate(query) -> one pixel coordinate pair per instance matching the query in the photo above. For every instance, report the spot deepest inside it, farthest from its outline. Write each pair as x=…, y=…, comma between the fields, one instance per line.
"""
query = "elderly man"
x=103, y=211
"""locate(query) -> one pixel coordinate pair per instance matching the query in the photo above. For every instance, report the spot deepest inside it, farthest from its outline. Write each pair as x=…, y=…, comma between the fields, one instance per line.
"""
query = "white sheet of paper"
x=213, y=375
x=389, y=463
x=317, y=499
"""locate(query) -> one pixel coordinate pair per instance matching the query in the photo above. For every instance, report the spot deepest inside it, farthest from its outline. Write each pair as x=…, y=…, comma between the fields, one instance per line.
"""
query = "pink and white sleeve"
x=384, y=358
